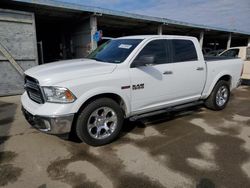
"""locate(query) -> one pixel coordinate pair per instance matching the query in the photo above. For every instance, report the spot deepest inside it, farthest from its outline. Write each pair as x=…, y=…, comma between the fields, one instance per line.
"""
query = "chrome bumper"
x=50, y=124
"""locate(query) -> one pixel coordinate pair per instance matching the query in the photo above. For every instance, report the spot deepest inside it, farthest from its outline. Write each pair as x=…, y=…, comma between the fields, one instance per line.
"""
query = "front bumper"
x=50, y=124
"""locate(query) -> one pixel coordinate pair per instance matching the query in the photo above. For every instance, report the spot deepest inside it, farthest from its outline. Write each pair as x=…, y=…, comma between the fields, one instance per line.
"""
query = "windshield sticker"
x=125, y=46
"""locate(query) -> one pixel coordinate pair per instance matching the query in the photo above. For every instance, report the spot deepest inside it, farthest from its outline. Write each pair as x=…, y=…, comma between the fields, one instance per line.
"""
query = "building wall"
x=17, y=37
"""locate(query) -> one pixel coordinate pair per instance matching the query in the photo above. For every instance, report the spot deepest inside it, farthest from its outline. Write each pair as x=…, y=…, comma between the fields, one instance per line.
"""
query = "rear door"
x=188, y=72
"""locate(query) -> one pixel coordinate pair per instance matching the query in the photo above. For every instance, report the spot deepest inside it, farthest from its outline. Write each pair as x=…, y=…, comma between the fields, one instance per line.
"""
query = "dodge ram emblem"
x=138, y=86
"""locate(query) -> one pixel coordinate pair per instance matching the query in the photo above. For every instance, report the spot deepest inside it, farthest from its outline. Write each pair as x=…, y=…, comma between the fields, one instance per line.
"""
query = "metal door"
x=18, y=50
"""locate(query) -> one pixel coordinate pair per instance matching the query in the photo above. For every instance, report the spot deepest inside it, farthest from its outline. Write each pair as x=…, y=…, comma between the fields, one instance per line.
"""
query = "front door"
x=148, y=81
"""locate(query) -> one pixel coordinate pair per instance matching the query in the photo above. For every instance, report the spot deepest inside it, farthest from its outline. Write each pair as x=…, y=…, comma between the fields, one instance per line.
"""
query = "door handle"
x=200, y=68
x=168, y=72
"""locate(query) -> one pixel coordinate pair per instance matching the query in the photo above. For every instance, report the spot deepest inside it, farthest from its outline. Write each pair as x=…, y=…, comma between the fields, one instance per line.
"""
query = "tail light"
x=242, y=70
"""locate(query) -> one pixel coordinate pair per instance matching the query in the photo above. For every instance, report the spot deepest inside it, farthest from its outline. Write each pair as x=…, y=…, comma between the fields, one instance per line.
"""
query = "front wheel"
x=219, y=97
x=100, y=122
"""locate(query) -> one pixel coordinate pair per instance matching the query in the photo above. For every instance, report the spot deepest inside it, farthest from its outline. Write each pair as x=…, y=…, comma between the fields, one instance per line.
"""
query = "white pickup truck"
x=129, y=77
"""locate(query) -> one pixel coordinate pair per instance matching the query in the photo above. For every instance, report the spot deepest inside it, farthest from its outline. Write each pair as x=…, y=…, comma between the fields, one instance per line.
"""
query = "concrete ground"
x=193, y=148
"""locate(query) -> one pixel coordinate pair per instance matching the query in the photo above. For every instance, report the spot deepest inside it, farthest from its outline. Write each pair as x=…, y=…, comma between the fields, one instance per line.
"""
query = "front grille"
x=33, y=89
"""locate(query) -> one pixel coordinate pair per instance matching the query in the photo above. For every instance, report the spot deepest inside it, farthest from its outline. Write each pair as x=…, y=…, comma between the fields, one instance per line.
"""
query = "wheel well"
x=226, y=78
x=113, y=96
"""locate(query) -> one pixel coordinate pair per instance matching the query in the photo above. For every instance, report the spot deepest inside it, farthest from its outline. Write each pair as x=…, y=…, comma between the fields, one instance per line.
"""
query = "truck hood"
x=60, y=71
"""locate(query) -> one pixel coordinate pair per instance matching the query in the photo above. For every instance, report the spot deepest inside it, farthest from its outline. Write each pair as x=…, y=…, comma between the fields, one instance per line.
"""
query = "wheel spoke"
x=107, y=129
x=106, y=111
x=95, y=114
x=98, y=132
x=113, y=118
x=91, y=126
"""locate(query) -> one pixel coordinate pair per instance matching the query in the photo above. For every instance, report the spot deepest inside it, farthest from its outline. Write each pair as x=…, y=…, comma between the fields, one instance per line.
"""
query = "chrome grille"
x=33, y=89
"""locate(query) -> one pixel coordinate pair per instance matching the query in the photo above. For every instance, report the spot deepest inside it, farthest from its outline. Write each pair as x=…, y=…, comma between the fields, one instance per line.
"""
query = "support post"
x=159, y=30
x=93, y=29
x=201, y=38
x=229, y=40
x=248, y=43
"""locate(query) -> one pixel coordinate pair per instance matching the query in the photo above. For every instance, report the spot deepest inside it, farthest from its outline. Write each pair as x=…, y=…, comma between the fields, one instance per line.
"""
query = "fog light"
x=47, y=125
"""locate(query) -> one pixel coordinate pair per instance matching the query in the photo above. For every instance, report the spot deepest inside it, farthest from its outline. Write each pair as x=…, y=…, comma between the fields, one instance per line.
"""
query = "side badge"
x=138, y=86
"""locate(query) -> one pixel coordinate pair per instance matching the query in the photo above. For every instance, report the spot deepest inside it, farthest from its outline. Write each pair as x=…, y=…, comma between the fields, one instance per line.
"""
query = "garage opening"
x=117, y=27
x=214, y=43
x=60, y=33
x=62, y=36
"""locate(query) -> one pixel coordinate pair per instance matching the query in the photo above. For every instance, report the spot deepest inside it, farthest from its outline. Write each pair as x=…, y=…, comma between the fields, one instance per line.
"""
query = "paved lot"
x=193, y=148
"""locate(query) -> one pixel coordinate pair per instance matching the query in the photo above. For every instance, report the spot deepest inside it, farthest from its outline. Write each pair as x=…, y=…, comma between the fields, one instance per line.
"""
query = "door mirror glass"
x=144, y=60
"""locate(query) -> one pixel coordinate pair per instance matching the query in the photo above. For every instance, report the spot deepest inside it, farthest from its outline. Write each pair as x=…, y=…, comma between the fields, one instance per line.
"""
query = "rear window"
x=183, y=50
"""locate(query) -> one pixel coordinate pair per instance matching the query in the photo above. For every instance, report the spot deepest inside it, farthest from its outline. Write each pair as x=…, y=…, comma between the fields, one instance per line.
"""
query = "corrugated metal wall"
x=18, y=49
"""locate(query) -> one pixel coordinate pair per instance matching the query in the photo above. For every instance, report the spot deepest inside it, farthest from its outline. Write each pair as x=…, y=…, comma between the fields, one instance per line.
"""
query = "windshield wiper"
x=97, y=59
x=101, y=60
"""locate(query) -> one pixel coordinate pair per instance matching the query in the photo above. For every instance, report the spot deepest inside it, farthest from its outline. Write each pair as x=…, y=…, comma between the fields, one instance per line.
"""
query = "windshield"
x=114, y=51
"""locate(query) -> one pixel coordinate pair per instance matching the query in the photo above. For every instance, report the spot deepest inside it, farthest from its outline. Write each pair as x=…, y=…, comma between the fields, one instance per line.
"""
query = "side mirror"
x=144, y=60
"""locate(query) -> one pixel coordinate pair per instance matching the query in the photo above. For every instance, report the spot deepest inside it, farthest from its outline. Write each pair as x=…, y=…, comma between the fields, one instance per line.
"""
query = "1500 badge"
x=138, y=86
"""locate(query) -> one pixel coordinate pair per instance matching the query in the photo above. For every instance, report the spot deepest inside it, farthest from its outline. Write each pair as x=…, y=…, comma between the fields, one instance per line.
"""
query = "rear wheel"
x=219, y=97
x=100, y=122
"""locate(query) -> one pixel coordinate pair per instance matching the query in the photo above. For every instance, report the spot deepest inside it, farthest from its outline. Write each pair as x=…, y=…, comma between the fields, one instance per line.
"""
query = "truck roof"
x=156, y=36
x=239, y=47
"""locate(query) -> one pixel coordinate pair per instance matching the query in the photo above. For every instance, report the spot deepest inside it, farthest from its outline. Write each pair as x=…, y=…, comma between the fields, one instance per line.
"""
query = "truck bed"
x=218, y=58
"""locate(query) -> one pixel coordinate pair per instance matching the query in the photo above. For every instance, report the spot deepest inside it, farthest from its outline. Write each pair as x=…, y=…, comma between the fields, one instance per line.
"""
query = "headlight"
x=58, y=95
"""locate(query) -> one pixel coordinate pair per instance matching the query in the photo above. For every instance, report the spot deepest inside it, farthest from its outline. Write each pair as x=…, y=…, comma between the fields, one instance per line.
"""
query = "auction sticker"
x=125, y=46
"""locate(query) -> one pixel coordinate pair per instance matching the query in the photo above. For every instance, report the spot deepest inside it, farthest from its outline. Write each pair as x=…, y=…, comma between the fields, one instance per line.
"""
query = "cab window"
x=156, y=48
x=182, y=50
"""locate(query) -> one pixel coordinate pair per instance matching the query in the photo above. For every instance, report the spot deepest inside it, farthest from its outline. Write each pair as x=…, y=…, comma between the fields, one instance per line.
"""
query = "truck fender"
x=103, y=90
x=215, y=80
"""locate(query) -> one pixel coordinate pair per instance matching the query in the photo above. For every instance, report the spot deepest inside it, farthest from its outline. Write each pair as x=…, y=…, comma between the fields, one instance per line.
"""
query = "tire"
x=218, y=101
x=100, y=122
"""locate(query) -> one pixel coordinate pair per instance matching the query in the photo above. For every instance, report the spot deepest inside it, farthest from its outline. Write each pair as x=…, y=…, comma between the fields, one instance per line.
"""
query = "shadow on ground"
x=8, y=172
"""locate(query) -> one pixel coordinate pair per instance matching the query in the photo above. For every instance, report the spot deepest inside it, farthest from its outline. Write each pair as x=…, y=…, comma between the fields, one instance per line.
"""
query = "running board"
x=166, y=110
